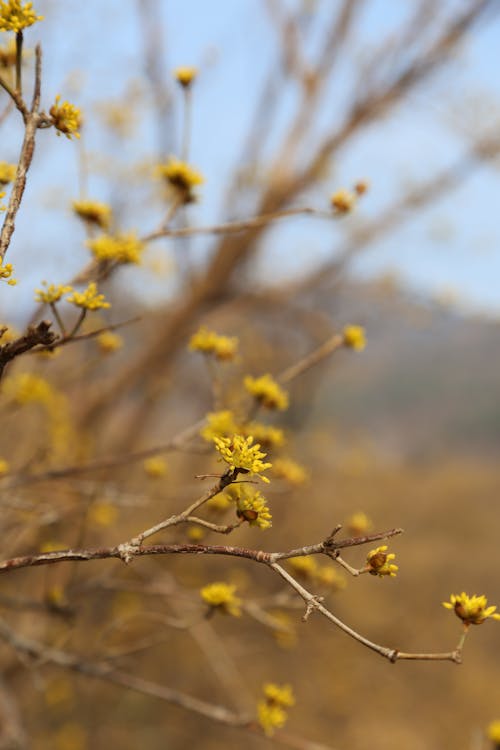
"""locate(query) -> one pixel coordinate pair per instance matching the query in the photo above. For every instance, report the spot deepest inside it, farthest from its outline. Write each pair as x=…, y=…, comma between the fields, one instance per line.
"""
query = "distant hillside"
x=428, y=382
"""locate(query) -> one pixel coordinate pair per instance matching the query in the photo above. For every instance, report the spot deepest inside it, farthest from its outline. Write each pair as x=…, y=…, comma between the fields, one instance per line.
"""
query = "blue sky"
x=93, y=53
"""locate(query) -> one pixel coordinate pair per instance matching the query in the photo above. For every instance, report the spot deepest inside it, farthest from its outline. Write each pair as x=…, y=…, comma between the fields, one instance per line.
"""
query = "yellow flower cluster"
x=223, y=348
x=66, y=118
x=155, y=467
x=358, y=524
x=121, y=248
x=251, y=506
x=26, y=388
x=102, y=513
x=93, y=212
x=109, y=342
x=181, y=177
x=379, y=562
x=267, y=392
x=89, y=299
x=6, y=272
x=7, y=173
x=289, y=470
x=307, y=568
x=343, y=201
x=267, y=435
x=14, y=16
x=241, y=455
x=185, y=75
x=472, y=610
x=221, y=597
x=354, y=337
x=52, y=293
x=219, y=424
x=271, y=710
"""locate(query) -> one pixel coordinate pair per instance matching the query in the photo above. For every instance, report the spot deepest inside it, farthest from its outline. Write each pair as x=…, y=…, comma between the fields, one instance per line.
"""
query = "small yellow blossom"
x=14, y=16
x=93, y=212
x=494, y=731
x=109, y=342
x=219, y=424
x=181, y=177
x=66, y=118
x=219, y=503
x=241, y=455
x=52, y=293
x=4, y=467
x=155, y=467
x=378, y=562
x=354, y=337
x=289, y=470
x=472, y=610
x=331, y=578
x=102, y=513
x=221, y=596
x=25, y=388
x=89, y=299
x=251, y=506
x=358, y=524
x=267, y=392
x=267, y=435
x=7, y=173
x=6, y=272
x=304, y=567
x=121, y=248
x=271, y=711
x=185, y=75
x=195, y=534
x=223, y=348
x=361, y=187
x=343, y=201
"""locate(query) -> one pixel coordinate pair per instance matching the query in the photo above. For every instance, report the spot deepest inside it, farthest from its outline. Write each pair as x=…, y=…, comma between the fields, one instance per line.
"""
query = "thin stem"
x=19, y=62
x=58, y=318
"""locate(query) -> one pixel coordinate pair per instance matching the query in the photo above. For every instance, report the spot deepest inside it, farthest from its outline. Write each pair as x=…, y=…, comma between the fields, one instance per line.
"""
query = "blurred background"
x=293, y=100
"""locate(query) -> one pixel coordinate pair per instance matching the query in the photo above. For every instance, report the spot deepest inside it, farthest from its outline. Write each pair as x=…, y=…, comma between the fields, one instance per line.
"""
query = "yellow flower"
x=289, y=470
x=358, y=524
x=331, y=578
x=89, y=299
x=52, y=546
x=304, y=567
x=109, y=342
x=52, y=293
x=102, y=513
x=4, y=467
x=7, y=173
x=221, y=596
x=239, y=453
x=219, y=503
x=343, y=201
x=121, y=248
x=267, y=392
x=224, y=348
x=378, y=562
x=270, y=711
x=252, y=507
x=94, y=212
x=185, y=75
x=195, y=534
x=14, y=16
x=181, y=177
x=472, y=610
x=25, y=388
x=155, y=467
x=66, y=118
x=494, y=731
x=219, y=424
x=354, y=337
x=6, y=272
x=265, y=434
